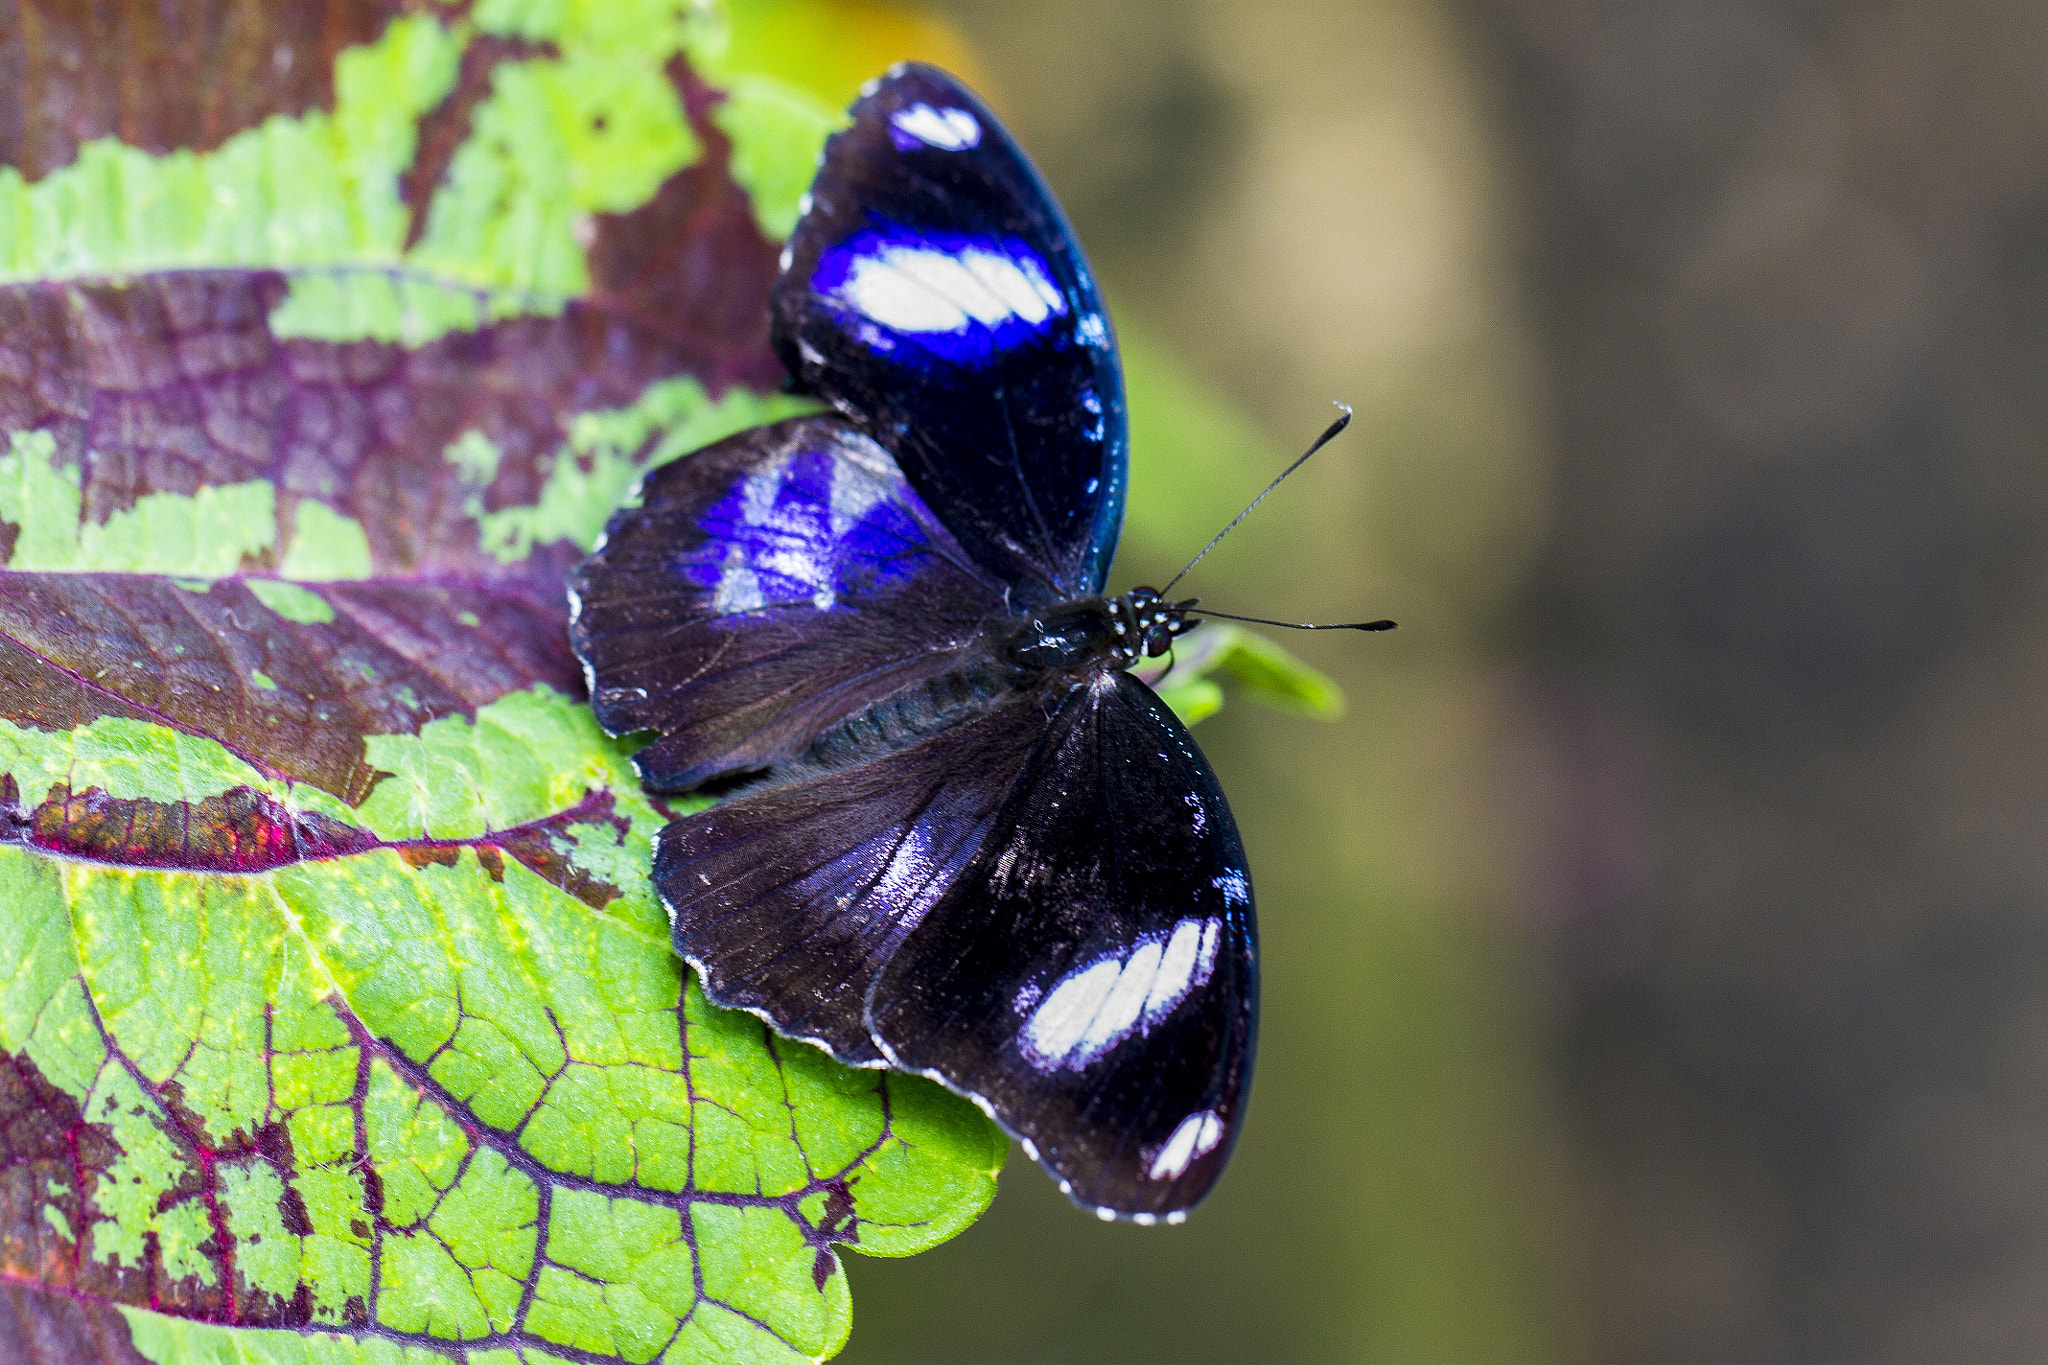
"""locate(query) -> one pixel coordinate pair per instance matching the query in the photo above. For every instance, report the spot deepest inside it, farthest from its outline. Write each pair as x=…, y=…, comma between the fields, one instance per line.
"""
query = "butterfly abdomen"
x=897, y=721
x=1047, y=651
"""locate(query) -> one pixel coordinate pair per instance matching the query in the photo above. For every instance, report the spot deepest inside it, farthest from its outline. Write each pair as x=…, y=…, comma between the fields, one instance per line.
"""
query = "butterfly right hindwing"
x=1092, y=976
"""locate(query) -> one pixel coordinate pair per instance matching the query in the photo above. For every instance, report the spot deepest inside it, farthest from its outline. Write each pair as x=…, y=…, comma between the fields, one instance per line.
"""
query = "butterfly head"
x=1146, y=624
x=1097, y=632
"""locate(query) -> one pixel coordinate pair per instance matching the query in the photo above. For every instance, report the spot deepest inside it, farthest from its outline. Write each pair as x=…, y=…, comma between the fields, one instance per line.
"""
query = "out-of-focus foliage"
x=1787, y=797
x=829, y=49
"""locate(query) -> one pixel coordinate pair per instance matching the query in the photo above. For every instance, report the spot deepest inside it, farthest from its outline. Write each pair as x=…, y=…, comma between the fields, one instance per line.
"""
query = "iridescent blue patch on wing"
x=960, y=298
x=808, y=530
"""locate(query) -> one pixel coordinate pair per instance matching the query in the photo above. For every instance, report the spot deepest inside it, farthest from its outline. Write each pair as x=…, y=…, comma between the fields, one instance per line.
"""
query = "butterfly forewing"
x=766, y=587
x=1092, y=974
x=935, y=293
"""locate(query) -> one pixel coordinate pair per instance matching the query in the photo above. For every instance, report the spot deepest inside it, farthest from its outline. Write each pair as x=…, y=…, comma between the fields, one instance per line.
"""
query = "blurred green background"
x=1655, y=958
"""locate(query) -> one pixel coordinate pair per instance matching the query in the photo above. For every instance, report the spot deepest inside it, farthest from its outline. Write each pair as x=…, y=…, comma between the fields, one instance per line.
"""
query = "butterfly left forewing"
x=763, y=589
x=1091, y=977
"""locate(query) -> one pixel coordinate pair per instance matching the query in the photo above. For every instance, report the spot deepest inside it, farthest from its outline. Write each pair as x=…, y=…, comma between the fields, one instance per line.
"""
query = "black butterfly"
x=969, y=843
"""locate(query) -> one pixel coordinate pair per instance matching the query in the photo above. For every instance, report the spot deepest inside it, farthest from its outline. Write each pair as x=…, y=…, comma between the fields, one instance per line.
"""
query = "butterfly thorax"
x=1095, y=632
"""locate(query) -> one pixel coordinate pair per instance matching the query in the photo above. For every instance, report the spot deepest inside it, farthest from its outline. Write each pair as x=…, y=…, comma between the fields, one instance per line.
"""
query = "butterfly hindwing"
x=1092, y=974
x=934, y=292
x=766, y=587
x=788, y=900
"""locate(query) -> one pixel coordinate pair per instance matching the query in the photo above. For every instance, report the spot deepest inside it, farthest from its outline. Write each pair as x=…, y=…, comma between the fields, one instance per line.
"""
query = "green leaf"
x=427, y=1087
x=339, y=1020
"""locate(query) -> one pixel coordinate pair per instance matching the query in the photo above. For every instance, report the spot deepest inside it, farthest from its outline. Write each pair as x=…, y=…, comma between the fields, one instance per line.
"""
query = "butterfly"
x=962, y=839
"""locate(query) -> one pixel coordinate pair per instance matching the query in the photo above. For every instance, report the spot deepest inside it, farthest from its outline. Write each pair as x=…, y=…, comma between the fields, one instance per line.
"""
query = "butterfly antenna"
x=1297, y=625
x=1321, y=441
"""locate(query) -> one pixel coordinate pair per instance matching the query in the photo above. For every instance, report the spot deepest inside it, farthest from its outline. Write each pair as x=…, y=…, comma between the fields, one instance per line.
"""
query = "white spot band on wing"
x=1121, y=1008
x=1179, y=963
x=776, y=542
x=738, y=588
x=952, y=130
x=909, y=869
x=1094, y=1008
x=856, y=489
x=924, y=289
x=1057, y=1025
x=1195, y=1136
